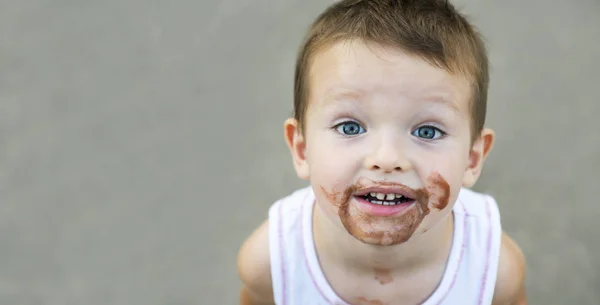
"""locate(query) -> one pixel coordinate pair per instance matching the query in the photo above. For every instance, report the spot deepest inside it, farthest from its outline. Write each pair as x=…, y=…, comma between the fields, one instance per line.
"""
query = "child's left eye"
x=428, y=132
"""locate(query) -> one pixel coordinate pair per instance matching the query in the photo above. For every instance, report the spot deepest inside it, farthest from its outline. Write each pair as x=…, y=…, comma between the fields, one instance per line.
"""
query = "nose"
x=389, y=156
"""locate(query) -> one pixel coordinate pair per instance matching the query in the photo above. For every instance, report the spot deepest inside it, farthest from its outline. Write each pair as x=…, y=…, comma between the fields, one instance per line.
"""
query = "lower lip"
x=383, y=210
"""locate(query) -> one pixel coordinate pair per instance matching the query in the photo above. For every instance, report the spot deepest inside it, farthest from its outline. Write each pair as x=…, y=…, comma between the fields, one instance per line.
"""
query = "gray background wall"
x=141, y=142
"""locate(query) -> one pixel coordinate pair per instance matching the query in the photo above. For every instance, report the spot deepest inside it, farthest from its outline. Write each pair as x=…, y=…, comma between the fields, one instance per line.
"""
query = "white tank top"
x=470, y=274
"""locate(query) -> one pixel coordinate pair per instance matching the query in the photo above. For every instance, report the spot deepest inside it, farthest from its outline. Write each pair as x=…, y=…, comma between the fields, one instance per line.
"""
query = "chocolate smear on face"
x=365, y=301
x=439, y=191
x=393, y=230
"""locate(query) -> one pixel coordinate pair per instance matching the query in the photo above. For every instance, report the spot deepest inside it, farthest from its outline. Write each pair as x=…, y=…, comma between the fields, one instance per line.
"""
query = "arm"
x=510, y=283
x=254, y=269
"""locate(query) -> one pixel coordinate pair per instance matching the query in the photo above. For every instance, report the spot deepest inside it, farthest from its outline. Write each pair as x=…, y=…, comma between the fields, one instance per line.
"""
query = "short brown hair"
x=430, y=29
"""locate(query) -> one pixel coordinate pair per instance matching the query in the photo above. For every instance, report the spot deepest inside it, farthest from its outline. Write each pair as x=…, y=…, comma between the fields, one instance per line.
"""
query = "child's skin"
x=380, y=119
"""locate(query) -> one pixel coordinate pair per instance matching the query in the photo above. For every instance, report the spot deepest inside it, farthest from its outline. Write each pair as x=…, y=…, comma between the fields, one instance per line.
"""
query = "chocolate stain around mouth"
x=363, y=227
x=440, y=189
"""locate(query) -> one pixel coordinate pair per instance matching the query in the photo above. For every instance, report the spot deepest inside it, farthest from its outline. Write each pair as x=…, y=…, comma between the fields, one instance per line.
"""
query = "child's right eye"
x=350, y=128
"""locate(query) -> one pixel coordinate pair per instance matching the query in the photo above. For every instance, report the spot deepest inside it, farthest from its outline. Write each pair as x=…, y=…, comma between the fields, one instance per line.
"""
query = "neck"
x=335, y=245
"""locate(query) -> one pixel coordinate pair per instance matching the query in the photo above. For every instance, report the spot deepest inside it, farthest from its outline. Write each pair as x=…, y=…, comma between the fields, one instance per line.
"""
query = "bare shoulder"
x=510, y=283
x=254, y=268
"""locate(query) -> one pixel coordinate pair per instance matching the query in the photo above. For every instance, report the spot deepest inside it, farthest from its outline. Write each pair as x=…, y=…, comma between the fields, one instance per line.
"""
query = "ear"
x=297, y=145
x=479, y=152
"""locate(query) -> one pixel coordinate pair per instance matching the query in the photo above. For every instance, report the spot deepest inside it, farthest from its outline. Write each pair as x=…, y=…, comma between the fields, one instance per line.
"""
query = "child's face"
x=383, y=122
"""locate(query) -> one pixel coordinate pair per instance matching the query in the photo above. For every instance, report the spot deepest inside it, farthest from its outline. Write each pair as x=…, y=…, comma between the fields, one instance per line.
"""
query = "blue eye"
x=428, y=132
x=350, y=128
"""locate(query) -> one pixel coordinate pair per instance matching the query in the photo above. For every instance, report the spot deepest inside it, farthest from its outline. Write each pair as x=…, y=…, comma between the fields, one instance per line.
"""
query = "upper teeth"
x=382, y=196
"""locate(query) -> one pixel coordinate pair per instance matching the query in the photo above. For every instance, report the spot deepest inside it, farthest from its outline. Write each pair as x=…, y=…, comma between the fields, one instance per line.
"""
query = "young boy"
x=390, y=102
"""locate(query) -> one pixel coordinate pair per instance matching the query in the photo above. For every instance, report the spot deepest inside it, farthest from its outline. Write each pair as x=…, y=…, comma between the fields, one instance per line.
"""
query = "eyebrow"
x=334, y=95
x=356, y=95
x=438, y=99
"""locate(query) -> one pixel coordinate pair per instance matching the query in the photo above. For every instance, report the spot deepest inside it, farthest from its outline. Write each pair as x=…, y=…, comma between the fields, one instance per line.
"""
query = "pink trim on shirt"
x=462, y=251
x=282, y=255
x=487, y=251
x=306, y=259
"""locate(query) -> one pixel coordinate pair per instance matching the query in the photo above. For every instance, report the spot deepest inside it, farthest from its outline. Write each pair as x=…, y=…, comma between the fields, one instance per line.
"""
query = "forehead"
x=356, y=69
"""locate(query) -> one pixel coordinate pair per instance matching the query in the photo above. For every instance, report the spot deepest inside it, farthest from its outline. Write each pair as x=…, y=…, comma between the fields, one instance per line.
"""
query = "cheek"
x=330, y=161
x=449, y=162
x=442, y=198
x=328, y=199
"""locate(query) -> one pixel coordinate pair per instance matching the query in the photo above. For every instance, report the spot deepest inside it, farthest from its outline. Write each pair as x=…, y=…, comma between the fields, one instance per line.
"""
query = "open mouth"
x=385, y=199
